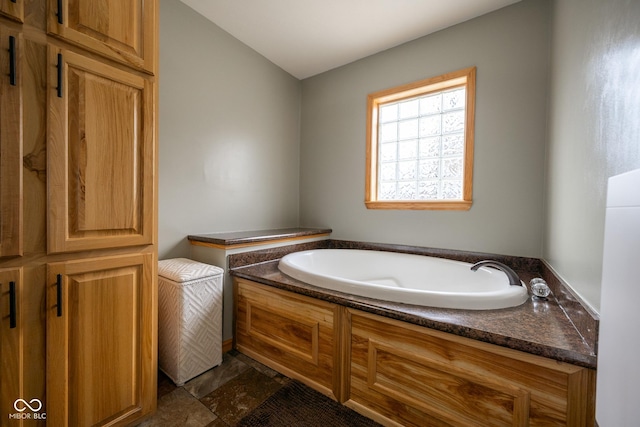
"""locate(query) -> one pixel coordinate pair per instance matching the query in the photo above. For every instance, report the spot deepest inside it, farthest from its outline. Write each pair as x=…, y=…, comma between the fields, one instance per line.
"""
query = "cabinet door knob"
x=12, y=60
x=59, y=294
x=12, y=305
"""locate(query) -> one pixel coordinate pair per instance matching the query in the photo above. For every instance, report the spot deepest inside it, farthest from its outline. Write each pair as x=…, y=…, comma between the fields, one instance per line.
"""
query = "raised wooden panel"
x=291, y=333
x=414, y=375
x=13, y=9
x=11, y=347
x=446, y=393
x=101, y=351
x=123, y=30
x=297, y=336
x=100, y=155
x=11, y=238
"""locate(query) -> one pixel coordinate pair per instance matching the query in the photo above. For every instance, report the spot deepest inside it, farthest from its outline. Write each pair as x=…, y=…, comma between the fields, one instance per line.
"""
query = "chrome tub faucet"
x=514, y=280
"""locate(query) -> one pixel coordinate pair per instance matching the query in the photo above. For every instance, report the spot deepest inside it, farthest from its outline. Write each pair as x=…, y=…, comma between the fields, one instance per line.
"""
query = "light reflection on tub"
x=405, y=278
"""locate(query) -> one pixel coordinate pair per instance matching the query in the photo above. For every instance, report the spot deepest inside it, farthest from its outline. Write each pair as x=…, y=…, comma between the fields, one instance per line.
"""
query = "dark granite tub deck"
x=559, y=327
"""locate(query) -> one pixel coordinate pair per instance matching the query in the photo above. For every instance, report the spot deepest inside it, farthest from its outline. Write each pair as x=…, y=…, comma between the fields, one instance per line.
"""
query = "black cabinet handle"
x=12, y=60
x=59, y=294
x=13, y=1
x=59, y=67
x=59, y=12
x=12, y=305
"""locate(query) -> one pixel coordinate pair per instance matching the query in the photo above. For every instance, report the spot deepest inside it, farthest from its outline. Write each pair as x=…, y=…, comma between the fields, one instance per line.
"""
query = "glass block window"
x=420, y=144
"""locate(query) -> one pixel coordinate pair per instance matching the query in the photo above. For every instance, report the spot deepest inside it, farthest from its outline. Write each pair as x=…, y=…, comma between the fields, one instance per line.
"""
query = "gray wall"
x=510, y=49
x=594, y=130
x=229, y=134
x=556, y=79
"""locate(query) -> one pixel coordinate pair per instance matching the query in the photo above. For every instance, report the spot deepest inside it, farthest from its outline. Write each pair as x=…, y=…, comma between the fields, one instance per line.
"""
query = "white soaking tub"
x=404, y=278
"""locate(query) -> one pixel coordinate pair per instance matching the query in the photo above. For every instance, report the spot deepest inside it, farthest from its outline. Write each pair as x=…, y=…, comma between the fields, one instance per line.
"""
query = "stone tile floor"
x=220, y=397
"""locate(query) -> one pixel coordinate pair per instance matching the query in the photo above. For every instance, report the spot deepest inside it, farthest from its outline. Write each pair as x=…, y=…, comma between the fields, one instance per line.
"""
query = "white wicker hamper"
x=189, y=318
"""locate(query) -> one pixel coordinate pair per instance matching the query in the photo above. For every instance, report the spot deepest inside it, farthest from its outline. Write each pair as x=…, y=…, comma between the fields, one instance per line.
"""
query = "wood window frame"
x=465, y=77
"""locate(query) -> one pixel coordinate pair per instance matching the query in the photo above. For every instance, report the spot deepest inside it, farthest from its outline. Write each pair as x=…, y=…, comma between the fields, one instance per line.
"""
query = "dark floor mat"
x=296, y=405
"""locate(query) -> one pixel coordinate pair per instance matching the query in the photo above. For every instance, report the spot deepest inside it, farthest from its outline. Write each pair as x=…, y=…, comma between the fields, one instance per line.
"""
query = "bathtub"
x=404, y=278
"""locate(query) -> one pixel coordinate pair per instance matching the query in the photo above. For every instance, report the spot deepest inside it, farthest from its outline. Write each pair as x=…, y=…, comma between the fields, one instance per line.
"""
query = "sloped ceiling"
x=308, y=37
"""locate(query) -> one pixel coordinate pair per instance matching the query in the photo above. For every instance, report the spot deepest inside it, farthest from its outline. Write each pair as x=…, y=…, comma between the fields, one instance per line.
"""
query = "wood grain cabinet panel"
x=100, y=155
x=78, y=184
x=11, y=238
x=291, y=333
x=13, y=9
x=11, y=344
x=101, y=340
x=122, y=30
x=416, y=376
x=455, y=396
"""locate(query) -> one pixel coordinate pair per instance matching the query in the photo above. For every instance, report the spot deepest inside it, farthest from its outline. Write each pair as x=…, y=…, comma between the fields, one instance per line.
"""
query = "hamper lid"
x=184, y=270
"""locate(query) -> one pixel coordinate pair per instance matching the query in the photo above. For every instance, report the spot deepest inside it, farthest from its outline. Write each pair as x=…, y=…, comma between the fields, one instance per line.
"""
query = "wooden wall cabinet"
x=98, y=363
x=100, y=155
x=11, y=240
x=102, y=209
x=78, y=186
x=11, y=342
x=292, y=333
x=403, y=374
x=122, y=30
x=21, y=310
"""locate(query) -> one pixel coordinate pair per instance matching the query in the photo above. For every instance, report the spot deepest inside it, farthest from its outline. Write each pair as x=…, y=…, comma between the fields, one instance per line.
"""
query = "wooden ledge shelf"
x=242, y=239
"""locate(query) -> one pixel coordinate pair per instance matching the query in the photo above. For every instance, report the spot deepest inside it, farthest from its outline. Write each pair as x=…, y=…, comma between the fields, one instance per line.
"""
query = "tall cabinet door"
x=10, y=142
x=123, y=30
x=11, y=379
x=100, y=152
x=101, y=329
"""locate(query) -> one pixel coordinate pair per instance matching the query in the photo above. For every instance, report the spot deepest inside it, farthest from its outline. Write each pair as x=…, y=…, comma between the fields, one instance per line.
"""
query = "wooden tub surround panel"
x=295, y=335
x=440, y=391
x=412, y=374
x=403, y=374
x=298, y=336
